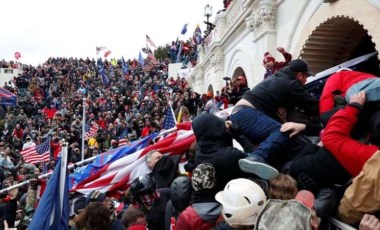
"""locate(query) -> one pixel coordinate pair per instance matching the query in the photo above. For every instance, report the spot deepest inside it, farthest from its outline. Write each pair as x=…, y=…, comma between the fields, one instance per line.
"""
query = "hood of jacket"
x=208, y=211
x=210, y=132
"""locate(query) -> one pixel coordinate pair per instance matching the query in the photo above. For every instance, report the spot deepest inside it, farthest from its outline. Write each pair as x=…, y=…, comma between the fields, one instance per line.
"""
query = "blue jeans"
x=258, y=127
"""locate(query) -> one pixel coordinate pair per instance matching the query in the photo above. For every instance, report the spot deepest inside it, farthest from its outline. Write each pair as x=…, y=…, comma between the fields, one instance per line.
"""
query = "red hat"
x=306, y=198
x=268, y=58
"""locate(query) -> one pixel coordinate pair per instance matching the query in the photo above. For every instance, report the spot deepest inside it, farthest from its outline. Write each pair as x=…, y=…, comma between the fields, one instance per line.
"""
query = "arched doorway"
x=210, y=89
x=237, y=73
x=337, y=40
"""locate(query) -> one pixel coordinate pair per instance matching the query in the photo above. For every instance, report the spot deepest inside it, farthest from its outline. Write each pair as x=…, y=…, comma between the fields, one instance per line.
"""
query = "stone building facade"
x=323, y=32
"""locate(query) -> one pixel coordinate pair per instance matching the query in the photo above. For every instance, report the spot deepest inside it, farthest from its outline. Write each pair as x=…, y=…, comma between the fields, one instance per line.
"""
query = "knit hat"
x=268, y=58
x=203, y=178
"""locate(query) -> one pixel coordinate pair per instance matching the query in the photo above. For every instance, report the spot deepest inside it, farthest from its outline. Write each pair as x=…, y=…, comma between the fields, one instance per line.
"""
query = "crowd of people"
x=318, y=157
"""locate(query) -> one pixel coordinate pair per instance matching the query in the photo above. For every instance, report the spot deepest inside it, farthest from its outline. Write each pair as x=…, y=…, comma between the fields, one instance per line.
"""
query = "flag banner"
x=102, y=72
x=184, y=29
x=17, y=55
x=37, y=153
x=91, y=130
x=52, y=212
x=121, y=140
x=99, y=49
x=107, y=53
x=111, y=70
x=7, y=98
x=124, y=66
x=179, y=118
x=116, y=176
x=150, y=42
x=197, y=35
x=141, y=59
x=107, y=157
x=152, y=58
x=170, y=120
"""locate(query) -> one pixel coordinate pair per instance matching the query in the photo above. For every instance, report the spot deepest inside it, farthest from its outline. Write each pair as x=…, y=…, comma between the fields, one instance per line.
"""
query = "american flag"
x=117, y=175
x=170, y=121
x=152, y=58
x=91, y=130
x=151, y=43
x=37, y=153
x=101, y=48
x=122, y=137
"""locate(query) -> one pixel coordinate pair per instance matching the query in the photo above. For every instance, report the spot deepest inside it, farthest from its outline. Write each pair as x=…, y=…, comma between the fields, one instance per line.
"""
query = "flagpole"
x=83, y=125
x=72, y=166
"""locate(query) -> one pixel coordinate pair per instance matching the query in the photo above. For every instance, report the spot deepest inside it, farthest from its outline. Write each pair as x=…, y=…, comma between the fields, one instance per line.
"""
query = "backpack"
x=284, y=215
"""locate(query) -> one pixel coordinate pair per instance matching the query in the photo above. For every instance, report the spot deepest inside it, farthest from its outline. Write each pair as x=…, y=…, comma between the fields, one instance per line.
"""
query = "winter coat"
x=282, y=90
x=338, y=84
x=215, y=147
x=199, y=216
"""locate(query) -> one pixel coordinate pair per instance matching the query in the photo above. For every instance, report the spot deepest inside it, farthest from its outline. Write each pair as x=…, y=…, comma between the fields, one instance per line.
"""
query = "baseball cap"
x=299, y=65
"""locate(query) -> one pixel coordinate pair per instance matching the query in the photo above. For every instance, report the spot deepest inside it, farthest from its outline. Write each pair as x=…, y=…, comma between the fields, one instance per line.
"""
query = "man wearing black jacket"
x=255, y=115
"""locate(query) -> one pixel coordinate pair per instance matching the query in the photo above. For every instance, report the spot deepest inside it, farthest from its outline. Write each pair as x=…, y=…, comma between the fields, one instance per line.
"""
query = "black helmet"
x=142, y=185
x=180, y=193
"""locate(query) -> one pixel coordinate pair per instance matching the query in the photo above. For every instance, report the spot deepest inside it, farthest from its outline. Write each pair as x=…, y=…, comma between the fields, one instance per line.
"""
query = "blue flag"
x=141, y=59
x=112, y=71
x=52, y=212
x=102, y=72
x=107, y=157
x=124, y=66
x=184, y=29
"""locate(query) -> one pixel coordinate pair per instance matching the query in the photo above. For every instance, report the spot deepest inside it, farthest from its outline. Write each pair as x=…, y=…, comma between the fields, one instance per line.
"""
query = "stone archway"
x=337, y=40
x=210, y=89
x=239, y=72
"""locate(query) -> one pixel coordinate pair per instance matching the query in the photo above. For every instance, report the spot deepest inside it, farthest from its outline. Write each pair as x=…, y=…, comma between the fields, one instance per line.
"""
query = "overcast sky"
x=39, y=29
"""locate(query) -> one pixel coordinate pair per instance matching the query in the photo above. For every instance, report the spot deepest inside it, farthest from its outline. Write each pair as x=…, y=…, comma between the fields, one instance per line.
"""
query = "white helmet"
x=242, y=201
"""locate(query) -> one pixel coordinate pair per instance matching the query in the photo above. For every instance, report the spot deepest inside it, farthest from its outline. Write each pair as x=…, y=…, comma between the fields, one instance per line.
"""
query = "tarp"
x=315, y=83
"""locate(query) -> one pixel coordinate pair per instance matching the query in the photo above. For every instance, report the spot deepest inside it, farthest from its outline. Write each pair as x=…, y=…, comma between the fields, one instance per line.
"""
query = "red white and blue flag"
x=117, y=175
x=91, y=130
x=150, y=42
x=122, y=141
x=37, y=153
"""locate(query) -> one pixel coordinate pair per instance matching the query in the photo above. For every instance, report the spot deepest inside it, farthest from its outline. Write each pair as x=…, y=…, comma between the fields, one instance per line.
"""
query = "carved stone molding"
x=216, y=60
x=263, y=19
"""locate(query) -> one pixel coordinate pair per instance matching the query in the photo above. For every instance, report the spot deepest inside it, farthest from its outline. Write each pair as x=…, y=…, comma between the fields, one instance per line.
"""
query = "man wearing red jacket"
x=360, y=160
x=338, y=84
